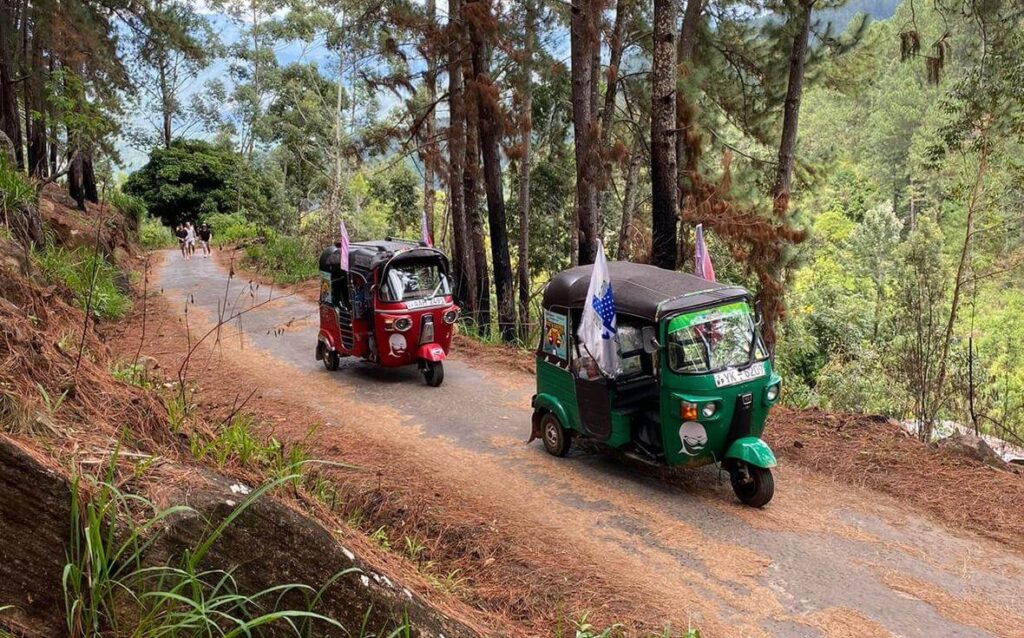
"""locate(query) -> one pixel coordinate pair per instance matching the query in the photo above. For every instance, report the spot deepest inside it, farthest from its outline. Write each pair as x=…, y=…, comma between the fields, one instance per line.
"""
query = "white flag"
x=598, y=335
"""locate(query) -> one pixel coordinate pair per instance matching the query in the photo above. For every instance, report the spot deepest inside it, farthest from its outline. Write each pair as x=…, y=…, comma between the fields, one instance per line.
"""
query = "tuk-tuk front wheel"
x=556, y=438
x=433, y=373
x=331, y=360
x=753, y=485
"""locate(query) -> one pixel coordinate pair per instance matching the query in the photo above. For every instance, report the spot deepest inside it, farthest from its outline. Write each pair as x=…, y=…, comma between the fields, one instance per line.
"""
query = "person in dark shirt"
x=205, y=235
x=182, y=235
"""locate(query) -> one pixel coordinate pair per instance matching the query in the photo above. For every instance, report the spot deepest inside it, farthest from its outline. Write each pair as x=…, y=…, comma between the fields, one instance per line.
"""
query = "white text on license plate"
x=732, y=376
x=424, y=303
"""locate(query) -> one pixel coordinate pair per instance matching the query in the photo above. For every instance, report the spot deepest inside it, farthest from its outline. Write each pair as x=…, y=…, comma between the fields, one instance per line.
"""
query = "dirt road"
x=593, y=533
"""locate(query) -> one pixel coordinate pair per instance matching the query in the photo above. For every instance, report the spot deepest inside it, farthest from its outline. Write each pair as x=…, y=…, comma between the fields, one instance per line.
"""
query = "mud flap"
x=752, y=450
x=535, y=421
x=431, y=352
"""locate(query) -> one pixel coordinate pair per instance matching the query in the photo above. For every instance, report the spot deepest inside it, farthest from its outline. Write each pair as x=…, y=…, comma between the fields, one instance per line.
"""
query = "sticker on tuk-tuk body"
x=555, y=335
x=396, y=346
x=325, y=287
x=694, y=438
x=705, y=316
x=733, y=376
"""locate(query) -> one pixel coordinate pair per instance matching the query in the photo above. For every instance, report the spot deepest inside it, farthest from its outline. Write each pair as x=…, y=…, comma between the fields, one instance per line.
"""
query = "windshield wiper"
x=436, y=288
x=753, y=346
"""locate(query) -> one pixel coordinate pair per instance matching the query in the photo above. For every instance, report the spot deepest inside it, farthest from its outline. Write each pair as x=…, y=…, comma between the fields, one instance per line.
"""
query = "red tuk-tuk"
x=393, y=306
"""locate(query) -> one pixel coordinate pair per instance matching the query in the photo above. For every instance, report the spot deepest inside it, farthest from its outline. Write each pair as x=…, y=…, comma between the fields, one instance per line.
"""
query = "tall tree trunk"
x=489, y=120
x=35, y=96
x=430, y=124
x=629, y=203
x=771, y=296
x=664, y=196
x=685, y=115
x=76, y=178
x=963, y=265
x=791, y=108
x=470, y=183
x=465, y=280
x=166, y=105
x=9, y=122
x=615, y=46
x=89, y=178
x=526, y=130
x=585, y=41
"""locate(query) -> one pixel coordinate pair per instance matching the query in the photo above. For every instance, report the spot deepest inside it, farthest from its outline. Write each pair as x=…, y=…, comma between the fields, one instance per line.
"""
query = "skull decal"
x=694, y=438
x=396, y=345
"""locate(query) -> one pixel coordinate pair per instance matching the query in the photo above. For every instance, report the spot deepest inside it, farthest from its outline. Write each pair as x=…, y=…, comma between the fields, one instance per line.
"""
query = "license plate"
x=414, y=304
x=732, y=376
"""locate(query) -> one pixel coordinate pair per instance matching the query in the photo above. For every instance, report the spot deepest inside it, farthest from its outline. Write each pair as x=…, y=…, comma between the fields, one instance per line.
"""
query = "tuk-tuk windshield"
x=414, y=280
x=714, y=339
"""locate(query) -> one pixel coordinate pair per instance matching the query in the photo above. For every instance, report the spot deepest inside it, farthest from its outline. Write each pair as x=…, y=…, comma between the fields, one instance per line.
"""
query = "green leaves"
x=194, y=178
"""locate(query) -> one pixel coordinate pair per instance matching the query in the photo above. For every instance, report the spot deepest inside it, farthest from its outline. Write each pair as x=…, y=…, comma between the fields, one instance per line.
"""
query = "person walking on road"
x=182, y=235
x=190, y=240
x=205, y=235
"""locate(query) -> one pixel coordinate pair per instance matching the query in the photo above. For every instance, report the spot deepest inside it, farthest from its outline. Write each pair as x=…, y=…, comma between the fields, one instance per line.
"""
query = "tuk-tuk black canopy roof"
x=364, y=256
x=643, y=291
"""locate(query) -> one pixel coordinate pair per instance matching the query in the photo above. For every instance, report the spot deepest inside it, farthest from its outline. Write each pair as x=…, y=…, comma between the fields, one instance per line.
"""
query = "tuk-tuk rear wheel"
x=331, y=360
x=556, y=438
x=754, y=486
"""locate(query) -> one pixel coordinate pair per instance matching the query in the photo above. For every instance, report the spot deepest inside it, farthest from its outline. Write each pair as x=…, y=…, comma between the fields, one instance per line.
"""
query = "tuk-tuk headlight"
x=773, y=392
x=403, y=323
x=709, y=410
x=451, y=316
x=688, y=411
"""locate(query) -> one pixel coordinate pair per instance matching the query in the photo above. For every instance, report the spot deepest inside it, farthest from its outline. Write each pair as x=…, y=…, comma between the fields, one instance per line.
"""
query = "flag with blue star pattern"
x=598, y=334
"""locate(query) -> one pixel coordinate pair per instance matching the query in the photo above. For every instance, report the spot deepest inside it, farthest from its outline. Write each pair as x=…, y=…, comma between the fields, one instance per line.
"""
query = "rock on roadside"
x=973, y=447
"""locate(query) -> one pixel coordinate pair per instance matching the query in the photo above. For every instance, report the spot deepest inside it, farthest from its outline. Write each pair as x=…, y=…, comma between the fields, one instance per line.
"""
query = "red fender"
x=431, y=352
x=327, y=339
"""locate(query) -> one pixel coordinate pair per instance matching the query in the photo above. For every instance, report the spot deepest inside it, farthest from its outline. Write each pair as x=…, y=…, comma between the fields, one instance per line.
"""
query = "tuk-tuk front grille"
x=742, y=417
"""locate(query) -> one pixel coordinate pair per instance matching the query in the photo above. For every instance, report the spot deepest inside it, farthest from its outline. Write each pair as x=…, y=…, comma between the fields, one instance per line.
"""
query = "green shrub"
x=286, y=260
x=154, y=235
x=81, y=271
x=131, y=373
x=130, y=206
x=233, y=228
x=16, y=191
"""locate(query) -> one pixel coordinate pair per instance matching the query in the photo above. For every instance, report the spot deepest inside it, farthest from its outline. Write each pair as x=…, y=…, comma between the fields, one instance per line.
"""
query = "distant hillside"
x=877, y=9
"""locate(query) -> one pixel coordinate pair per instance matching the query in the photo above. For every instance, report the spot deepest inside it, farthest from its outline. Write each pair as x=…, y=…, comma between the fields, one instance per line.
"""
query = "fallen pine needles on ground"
x=875, y=452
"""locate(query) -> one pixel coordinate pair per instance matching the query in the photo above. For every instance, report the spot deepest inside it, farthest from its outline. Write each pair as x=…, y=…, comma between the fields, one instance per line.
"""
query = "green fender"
x=752, y=450
x=547, y=403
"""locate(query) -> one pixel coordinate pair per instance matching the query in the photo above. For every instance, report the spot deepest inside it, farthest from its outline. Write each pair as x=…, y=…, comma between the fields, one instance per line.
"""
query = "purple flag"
x=343, y=247
x=701, y=259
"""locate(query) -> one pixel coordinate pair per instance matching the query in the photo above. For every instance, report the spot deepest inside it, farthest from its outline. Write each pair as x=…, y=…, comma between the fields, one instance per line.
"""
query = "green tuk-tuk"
x=693, y=384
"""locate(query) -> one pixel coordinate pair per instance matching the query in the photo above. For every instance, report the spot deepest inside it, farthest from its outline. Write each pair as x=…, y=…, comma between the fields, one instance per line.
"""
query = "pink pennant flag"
x=425, y=231
x=343, y=244
x=701, y=259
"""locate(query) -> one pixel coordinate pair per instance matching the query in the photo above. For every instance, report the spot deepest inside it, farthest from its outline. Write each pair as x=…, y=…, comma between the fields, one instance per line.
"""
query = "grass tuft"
x=81, y=270
x=109, y=591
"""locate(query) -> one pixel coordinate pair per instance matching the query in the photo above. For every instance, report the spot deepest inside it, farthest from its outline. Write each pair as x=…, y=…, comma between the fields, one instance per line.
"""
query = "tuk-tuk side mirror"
x=758, y=317
x=649, y=335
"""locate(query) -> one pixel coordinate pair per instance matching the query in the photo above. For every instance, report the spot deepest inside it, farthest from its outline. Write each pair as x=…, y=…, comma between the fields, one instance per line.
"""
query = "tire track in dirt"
x=629, y=543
